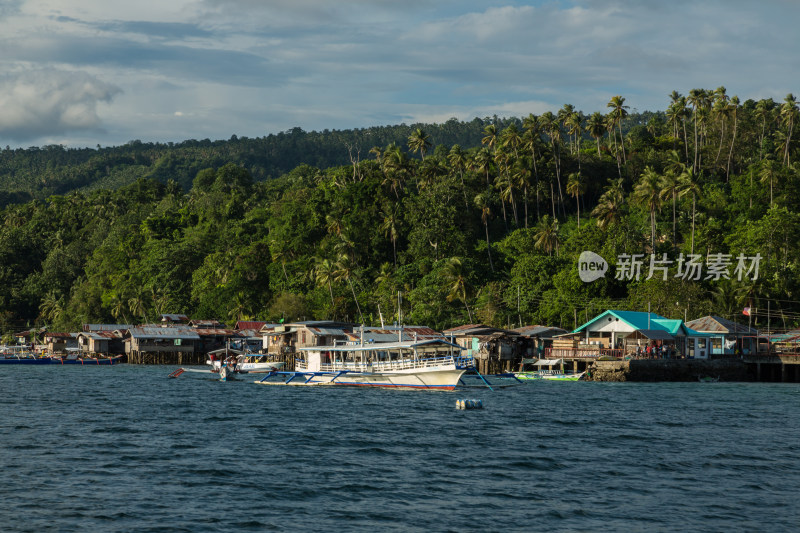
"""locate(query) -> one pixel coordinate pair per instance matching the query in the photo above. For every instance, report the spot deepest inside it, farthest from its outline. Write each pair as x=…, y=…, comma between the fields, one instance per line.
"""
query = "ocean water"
x=124, y=449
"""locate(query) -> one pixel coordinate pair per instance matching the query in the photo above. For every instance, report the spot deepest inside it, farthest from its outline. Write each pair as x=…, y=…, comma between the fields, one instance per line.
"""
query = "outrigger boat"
x=423, y=364
x=14, y=355
x=552, y=375
x=243, y=362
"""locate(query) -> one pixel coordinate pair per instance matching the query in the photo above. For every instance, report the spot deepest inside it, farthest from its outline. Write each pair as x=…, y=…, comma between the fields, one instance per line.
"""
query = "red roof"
x=249, y=325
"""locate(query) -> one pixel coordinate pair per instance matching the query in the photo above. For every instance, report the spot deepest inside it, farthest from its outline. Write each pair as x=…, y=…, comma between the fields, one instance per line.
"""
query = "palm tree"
x=768, y=173
x=619, y=112
x=648, y=191
x=734, y=109
x=531, y=138
x=482, y=203
x=389, y=228
x=324, y=274
x=344, y=271
x=482, y=162
x=764, y=112
x=52, y=307
x=549, y=124
x=458, y=162
x=695, y=99
x=670, y=187
x=456, y=283
x=609, y=208
x=596, y=127
x=490, y=137
x=575, y=187
x=118, y=307
x=419, y=141
x=788, y=115
x=690, y=185
x=137, y=307
x=395, y=168
x=546, y=236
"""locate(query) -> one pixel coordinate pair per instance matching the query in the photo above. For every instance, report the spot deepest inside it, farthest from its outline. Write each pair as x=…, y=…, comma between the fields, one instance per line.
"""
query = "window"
x=701, y=344
x=716, y=344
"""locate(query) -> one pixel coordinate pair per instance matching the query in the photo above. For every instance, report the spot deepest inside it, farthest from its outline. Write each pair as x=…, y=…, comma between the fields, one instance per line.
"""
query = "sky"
x=105, y=72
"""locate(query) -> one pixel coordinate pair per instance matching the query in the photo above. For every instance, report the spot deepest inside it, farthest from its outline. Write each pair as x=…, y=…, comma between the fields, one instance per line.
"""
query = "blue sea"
x=125, y=449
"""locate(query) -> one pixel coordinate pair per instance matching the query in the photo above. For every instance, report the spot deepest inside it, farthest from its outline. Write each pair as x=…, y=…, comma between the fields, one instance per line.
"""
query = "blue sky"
x=88, y=72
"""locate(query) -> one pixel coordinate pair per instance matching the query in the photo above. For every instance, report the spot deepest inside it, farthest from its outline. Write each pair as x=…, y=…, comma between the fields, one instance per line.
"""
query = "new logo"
x=591, y=267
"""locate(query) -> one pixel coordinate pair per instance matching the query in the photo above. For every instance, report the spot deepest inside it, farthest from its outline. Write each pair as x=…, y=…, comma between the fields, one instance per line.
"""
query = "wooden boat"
x=14, y=356
x=425, y=364
x=243, y=362
x=561, y=376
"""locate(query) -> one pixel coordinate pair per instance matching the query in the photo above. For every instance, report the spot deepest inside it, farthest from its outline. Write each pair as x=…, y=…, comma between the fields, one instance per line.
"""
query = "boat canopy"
x=548, y=362
x=368, y=347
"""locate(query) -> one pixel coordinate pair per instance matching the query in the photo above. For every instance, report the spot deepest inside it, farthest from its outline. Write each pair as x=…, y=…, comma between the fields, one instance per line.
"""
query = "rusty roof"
x=250, y=324
x=216, y=332
x=717, y=324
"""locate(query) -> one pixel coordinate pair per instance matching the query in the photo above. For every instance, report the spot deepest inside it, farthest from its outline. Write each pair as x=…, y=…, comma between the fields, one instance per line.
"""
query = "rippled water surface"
x=126, y=449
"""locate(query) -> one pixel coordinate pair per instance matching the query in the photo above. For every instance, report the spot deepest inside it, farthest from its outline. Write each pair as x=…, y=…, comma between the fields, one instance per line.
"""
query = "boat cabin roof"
x=368, y=347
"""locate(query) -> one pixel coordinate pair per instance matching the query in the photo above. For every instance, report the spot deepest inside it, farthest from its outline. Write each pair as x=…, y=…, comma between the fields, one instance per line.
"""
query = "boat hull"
x=60, y=361
x=431, y=379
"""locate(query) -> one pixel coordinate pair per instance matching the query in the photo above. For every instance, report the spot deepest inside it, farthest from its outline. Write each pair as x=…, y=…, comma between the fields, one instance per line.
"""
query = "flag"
x=746, y=311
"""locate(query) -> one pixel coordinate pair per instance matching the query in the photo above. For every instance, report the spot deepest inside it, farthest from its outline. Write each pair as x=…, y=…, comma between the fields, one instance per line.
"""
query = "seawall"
x=670, y=370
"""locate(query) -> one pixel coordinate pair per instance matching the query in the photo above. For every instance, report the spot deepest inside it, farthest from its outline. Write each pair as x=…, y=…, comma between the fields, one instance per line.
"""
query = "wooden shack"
x=163, y=345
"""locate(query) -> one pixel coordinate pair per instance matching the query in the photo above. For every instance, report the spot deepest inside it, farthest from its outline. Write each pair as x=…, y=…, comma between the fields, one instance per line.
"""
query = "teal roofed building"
x=631, y=332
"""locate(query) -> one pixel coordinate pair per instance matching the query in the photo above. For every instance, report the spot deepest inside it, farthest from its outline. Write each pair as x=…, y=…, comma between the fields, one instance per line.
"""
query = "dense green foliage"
x=461, y=222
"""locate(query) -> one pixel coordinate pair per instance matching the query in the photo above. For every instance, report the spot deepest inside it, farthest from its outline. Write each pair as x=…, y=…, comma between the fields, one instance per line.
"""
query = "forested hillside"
x=461, y=222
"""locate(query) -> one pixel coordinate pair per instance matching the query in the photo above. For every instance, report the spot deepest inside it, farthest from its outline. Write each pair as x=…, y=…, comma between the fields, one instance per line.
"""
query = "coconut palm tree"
x=419, y=141
x=648, y=191
x=619, y=112
x=696, y=99
x=764, y=112
x=670, y=187
x=575, y=187
x=458, y=161
x=482, y=203
x=343, y=270
x=596, y=127
x=482, y=162
x=609, y=207
x=734, y=110
x=389, y=226
x=457, y=285
x=546, y=236
x=768, y=172
x=789, y=115
x=690, y=185
x=324, y=274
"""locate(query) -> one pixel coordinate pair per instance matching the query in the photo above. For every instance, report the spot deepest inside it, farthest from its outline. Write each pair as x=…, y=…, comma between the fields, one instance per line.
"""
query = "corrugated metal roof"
x=250, y=324
x=326, y=331
x=216, y=332
x=164, y=333
x=545, y=331
x=174, y=317
x=717, y=324
x=59, y=335
x=106, y=327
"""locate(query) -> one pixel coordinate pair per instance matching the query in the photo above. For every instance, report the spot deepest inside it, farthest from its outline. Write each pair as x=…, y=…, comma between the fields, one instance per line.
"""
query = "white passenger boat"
x=424, y=364
x=243, y=362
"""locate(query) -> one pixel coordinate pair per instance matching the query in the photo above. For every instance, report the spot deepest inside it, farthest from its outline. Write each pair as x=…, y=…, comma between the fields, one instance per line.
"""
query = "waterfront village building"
x=283, y=339
x=174, y=345
x=487, y=344
x=61, y=343
x=726, y=337
x=620, y=333
x=540, y=338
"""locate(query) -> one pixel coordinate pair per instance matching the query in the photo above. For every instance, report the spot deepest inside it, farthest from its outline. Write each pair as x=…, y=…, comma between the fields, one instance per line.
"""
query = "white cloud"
x=50, y=102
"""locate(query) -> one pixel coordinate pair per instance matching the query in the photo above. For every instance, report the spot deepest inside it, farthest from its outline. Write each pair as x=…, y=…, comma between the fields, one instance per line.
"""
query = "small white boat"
x=425, y=364
x=243, y=362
